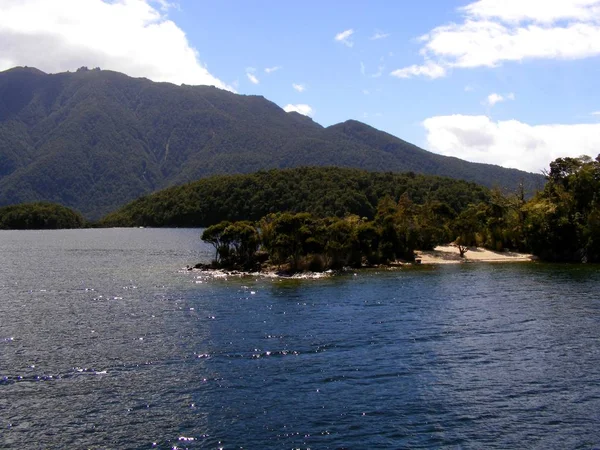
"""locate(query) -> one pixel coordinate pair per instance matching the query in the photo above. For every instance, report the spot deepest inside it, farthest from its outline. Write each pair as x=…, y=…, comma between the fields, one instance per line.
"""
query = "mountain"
x=94, y=140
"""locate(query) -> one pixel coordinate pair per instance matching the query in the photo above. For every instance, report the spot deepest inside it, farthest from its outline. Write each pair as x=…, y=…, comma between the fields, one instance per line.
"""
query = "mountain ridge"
x=94, y=140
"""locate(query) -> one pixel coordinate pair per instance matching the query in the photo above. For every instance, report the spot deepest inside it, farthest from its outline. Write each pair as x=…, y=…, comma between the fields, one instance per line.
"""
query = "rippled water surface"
x=105, y=343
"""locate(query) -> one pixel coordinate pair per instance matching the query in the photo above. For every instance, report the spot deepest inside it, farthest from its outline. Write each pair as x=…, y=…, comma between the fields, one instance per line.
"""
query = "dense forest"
x=563, y=220
x=39, y=216
x=94, y=140
x=561, y=223
x=324, y=191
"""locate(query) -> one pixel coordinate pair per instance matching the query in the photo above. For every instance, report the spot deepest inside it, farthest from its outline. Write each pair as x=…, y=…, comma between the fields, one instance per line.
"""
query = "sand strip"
x=448, y=254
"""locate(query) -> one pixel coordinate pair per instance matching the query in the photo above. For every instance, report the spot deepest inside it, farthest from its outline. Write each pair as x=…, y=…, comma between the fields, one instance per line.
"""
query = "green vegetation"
x=322, y=191
x=561, y=223
x=94, y=140
x=39, y=216
x=301, y=241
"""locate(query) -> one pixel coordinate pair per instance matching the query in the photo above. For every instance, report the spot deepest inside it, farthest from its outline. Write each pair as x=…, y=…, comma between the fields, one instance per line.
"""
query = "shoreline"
x=440, y=255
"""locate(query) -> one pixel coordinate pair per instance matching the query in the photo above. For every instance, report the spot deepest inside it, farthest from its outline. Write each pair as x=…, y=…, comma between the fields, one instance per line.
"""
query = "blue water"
x=105, y=343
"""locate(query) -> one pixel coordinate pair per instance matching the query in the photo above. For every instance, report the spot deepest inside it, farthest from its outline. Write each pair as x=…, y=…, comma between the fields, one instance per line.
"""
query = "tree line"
x=324, y=191
x=560, y=223
x=39, y=216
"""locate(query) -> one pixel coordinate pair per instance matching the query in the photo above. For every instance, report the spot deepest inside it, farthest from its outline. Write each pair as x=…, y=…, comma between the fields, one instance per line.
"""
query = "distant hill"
x=94, y=140
x=322, y=191
x=39, y=216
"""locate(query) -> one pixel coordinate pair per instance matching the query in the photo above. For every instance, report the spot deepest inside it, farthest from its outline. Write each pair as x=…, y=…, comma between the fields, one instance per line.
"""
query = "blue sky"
x=509, y=82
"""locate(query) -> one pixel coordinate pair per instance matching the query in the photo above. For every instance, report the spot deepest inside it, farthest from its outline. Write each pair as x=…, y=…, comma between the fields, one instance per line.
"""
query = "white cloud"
x=469, y=88
x=299, y=87
x=362, y=68
x=344, y=37
x=299, y=108
x=541, y=11
x=379, y=35
x=165, y=5
x=429, y=69
x=366, y=92
x=250, y=71
x=509, y=143
x=494, y=98
x=595, y=113
x=130, y=36
x=493, y=32
x=269, y=70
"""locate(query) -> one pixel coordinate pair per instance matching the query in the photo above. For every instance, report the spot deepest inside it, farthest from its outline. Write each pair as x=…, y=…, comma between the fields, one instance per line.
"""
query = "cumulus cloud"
x=344, y=37
x=299, y=108
x=493, y=32
x=494, y=98
x=269, y=70
x=130, y=36
x=299, y=87
x=509, y=143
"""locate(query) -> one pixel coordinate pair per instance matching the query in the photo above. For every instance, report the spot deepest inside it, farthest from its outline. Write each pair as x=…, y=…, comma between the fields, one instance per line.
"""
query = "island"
x=39, y=216
x=559, y=223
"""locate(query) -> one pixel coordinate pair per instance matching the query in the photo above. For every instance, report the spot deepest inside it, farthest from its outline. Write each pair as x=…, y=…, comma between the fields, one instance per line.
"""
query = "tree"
x=561, y=221
x=235, y=244
x=243, y=241
x=288, y=237
x=342, y=247
x=214, y=236
x=368, y=238
x=466, y=226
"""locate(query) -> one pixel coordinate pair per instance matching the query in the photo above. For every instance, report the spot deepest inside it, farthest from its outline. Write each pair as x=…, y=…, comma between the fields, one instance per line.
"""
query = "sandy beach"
x=448, y=254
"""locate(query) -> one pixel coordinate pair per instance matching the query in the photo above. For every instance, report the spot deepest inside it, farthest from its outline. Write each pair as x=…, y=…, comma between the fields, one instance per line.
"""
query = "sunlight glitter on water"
x=457, y=357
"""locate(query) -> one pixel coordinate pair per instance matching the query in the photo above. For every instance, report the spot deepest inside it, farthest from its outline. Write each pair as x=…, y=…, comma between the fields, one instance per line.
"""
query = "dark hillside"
x=324, y=191
x=94, y=140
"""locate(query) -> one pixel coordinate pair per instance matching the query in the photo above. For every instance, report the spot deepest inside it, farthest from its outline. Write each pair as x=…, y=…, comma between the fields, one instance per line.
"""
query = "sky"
x=506, y=82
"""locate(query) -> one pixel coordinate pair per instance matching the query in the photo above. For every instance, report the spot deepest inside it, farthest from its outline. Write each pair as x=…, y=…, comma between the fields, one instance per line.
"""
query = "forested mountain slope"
x=94, y=140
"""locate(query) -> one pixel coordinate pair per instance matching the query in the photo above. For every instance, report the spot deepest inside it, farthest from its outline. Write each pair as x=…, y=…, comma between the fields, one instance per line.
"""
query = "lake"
x=106, y=343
